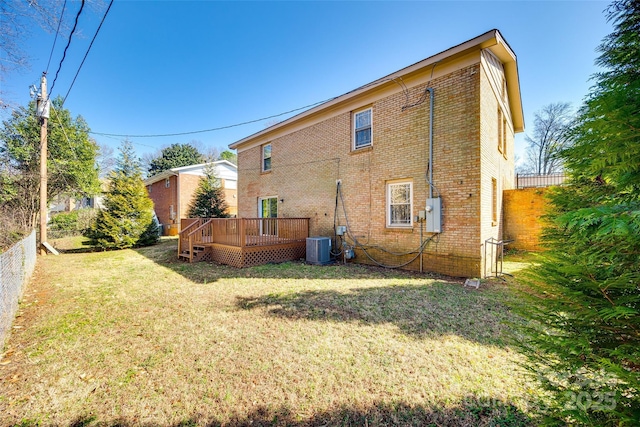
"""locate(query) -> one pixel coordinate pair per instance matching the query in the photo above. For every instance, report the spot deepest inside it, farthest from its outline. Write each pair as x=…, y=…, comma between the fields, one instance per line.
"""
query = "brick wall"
x=188, y=186
x=307, y=162
x=522, y=211
x=163, y=198
x=496, y=163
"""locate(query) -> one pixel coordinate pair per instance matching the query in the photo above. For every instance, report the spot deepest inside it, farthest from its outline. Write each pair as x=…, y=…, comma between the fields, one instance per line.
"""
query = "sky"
x=166, y=67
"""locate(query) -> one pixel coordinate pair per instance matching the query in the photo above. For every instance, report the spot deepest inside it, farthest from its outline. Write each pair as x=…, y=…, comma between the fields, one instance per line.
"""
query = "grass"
x=135, y=337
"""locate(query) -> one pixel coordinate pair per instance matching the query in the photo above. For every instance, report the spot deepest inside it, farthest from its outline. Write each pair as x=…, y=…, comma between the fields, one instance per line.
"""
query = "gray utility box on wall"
x=434, y=215
x=318, y=250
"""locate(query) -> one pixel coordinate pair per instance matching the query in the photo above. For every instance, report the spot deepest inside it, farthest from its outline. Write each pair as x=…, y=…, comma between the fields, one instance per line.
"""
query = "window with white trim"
x=266, y=158
x=167, y=183
x=500, y=129
x=399, y=204
x=362, y=129
x=494, y=201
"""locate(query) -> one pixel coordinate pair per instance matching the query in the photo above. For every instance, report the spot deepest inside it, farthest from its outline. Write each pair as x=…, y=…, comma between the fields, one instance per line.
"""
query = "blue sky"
x=160, y=67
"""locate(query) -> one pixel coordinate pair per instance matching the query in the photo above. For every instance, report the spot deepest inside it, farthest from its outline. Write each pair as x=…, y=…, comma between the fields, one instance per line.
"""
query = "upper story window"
x=167, y=183
x=362, y=134
x=502, y=133
x=399, y=204
x=266, y=158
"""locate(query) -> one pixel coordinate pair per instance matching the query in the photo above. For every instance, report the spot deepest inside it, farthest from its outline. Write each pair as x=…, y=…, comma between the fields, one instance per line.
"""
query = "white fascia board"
x=482, y=41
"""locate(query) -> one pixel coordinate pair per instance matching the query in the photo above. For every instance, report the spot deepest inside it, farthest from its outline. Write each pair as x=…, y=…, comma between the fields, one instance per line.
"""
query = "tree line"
x=75, y=165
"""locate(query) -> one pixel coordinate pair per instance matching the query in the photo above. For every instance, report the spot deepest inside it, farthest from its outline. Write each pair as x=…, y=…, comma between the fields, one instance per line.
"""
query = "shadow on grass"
x=422, y=311
x=165, y=254
x=470, y=412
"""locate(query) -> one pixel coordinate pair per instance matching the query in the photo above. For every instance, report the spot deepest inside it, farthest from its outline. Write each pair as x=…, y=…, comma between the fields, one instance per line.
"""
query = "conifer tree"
x=586, y=309
x=208, y=201
x=127, y=217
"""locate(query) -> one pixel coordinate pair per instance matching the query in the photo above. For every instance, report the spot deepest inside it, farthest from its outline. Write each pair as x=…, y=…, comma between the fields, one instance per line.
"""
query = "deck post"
x=243, y=239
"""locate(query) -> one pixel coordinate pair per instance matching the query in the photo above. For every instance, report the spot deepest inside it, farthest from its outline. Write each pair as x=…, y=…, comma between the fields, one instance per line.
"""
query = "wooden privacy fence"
x=243, y=241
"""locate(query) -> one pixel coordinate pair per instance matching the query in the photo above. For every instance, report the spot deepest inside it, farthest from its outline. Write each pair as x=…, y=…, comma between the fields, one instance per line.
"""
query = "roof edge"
x=485, y=40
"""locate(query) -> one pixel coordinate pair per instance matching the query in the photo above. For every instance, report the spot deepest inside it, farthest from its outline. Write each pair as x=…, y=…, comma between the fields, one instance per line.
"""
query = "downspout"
x=178, y=212
x=430, y=90
x=430, y=171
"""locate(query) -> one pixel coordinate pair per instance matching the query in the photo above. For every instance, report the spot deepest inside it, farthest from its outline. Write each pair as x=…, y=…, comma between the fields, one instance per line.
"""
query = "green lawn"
x=135, y=337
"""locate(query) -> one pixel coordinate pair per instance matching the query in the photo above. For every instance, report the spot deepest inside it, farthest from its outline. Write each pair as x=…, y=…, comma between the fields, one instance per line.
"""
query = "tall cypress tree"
x=586, y=307
x=127, y=219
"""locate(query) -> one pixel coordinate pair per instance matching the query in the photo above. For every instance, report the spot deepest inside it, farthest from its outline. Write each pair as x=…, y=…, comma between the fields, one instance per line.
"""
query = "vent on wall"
x=318, y=249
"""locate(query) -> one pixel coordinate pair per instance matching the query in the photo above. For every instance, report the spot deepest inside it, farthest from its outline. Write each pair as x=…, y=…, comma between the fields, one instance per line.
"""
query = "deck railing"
x=243, y=232
x=187, y=225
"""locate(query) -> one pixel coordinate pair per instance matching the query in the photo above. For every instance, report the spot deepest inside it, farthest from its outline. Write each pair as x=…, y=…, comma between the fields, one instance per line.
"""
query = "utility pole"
x=43, y=113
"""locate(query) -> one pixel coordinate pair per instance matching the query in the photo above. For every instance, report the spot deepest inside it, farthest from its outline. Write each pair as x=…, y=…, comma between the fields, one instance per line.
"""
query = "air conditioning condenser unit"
x=318, y=250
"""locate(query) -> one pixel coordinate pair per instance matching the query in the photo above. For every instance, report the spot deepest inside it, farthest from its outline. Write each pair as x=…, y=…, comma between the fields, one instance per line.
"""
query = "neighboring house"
x=379, y=158
x=65, y=203
x=173, y=190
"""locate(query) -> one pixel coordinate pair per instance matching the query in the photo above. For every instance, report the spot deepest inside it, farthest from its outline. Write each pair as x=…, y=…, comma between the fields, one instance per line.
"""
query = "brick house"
x=173, y=190
x=413, y=165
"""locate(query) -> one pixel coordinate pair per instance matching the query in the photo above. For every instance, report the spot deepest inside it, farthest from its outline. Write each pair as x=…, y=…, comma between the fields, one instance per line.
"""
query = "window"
x=167, y=183
x=500, y=129
x=504, y=136
x=266, y=158
x=268, y=208
x=494, y=201
x=399, y=199
x=362, y=135
x=502, y=133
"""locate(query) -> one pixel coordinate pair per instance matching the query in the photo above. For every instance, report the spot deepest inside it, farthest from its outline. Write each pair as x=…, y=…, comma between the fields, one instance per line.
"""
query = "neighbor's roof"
x=491, y=40
x=188, y=169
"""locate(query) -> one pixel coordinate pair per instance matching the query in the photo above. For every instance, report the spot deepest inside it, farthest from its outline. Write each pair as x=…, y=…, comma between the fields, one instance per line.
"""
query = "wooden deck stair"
x=199, y=254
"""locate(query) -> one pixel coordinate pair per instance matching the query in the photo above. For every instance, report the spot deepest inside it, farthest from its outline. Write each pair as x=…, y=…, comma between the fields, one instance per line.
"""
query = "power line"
x=64, y=54
x=214, y=129
x=64, y=6
x=87, y=53
x=379, y=81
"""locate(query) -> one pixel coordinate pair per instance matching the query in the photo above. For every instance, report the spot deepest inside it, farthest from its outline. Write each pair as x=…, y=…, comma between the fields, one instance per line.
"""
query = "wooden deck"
x=243, y=242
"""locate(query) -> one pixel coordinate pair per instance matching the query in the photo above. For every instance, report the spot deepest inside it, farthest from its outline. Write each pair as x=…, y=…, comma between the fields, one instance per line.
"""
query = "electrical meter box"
x=434, y=215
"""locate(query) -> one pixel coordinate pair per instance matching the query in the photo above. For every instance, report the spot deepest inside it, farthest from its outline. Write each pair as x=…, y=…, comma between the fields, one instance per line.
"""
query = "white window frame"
x=267, y=226
x=494, y=201
x=391, y=184
x=167, y=183
x=355, y=129
x=261, y=199
x=263, y=158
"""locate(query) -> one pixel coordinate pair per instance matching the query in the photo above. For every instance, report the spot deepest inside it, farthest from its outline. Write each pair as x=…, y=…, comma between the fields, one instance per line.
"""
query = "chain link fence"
x=16, y=267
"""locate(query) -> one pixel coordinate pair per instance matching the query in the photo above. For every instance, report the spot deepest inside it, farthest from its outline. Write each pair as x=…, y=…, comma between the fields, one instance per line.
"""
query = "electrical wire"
x=64, y=6
x=357, y=244
x=400, y=83
x=87, y=53
x=424, y=94
x=213, y=129
x=64, y=54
